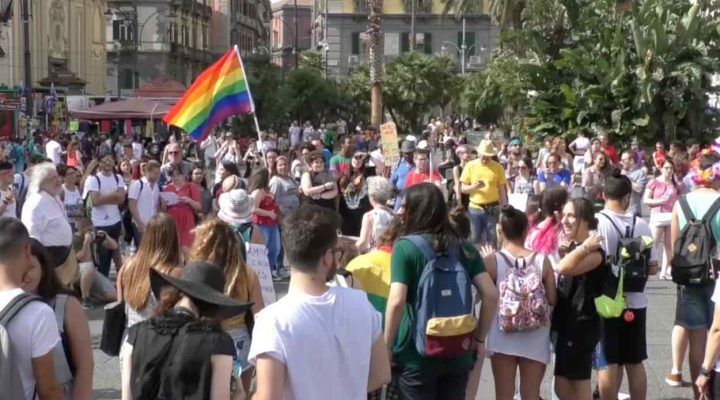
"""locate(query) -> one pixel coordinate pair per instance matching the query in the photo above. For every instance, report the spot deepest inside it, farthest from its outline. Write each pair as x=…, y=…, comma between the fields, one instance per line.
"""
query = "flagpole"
x=252, y=102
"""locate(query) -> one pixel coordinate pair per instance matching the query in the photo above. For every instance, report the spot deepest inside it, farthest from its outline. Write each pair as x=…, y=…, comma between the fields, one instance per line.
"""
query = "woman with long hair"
x=593, y=177
x=73, y=356
x=575, y=319
x=216, y=243
x=524, y=182
x=661, y=193
x=284, y=187
x=182, y=352
x=529, y=350
x=458, y=197
x=159, y=250
x=424, y=212
x=354, y=200
x=74, y=156
x=265, y=216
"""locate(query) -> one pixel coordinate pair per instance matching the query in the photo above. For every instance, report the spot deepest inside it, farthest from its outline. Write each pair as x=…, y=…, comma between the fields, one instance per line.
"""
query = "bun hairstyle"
x=617, y=185
x=460, y=222
x=513, y=222
x=551, y=201
x=584, y=210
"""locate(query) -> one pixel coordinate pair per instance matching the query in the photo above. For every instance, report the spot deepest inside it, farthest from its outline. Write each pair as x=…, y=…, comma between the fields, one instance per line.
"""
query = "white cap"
x=422, y=144
x=411, y=138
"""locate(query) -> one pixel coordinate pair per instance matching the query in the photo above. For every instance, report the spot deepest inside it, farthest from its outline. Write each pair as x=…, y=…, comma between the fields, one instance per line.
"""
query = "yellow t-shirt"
x=492, y=174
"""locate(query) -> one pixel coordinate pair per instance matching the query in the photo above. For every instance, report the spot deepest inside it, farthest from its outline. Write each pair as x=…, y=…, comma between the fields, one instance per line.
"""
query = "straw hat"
x=235, y=207
x=201, y=281
x=486, y=148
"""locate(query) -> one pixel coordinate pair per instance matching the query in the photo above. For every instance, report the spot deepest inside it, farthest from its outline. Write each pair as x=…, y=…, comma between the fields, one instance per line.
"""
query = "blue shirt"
x=562, y=176
x=699, y=205
x=400, y=173
x=327, y=155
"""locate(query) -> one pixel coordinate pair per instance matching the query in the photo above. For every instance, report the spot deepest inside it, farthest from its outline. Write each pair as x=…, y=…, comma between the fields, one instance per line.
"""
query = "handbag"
x=113, y=328
x=612, y=308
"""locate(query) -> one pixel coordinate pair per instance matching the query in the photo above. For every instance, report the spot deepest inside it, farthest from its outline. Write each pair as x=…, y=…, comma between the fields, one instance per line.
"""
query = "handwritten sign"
x=258, y=261
x=389, y=142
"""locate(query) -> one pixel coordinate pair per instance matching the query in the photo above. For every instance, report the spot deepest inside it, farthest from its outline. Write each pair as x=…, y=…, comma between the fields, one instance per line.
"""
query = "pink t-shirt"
x=661, y=190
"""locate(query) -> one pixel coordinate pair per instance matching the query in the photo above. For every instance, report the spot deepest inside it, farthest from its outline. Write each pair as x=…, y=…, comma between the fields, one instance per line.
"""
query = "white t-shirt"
x=33, y=333
x=106, y=214
x=137, y=150
x=46, y=219
x=581, y=144
x=610, y=242
x=324, y=341
x=53, y=150
x=147, y=198
x=11, y=208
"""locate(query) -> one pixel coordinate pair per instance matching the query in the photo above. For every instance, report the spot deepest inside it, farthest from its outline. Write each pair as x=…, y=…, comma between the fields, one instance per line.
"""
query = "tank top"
x=267, y=204
x=72, y=159
x=534, y=344
x=73, y=204
x=381, y=220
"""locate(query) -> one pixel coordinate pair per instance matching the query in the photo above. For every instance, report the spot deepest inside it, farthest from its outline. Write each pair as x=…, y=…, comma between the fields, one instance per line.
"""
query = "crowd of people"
x=404, y=275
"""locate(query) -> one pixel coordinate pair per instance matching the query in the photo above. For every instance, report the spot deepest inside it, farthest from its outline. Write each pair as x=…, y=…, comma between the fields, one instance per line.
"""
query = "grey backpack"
x=12, y=388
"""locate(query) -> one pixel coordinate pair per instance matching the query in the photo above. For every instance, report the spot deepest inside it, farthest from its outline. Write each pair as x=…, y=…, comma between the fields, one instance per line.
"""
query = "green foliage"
x=311, y=60
x=309, y=96
x=355, y=95
x=414, y=83
x=497, y=94
x=267, y=91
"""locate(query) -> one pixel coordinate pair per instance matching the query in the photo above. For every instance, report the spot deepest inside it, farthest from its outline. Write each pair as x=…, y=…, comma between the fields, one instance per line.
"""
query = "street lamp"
x=462, y=50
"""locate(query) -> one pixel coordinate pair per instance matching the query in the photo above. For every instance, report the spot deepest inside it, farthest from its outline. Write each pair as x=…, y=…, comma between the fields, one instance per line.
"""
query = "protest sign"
x=389, y=142
x=258, y=261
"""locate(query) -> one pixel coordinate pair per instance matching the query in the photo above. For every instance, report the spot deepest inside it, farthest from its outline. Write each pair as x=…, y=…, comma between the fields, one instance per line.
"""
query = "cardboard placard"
x=258, y=261
x=389, y=142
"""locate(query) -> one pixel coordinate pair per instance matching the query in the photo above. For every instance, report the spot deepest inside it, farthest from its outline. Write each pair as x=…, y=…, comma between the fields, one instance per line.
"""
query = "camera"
x=100, y=236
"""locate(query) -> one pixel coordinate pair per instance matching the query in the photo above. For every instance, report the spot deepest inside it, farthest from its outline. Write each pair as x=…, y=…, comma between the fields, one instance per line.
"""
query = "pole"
x=295, y=37
x=27, y=60
x=12, y=56
x=136, y=37
x=413, y=39
x=462, y=49
x=252, y=102
x=326, y=46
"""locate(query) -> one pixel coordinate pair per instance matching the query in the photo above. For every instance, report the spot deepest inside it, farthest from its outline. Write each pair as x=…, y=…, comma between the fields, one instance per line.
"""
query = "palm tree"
x=506, y=13
x=376, y=61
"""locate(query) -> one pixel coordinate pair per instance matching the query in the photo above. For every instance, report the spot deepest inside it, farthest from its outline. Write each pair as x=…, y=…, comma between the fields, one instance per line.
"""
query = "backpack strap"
x=685, y=207
x=714, y=207
x=59, y=309
x=422, y=245
x=14, y=307
x=613, y=224
x=97, y=178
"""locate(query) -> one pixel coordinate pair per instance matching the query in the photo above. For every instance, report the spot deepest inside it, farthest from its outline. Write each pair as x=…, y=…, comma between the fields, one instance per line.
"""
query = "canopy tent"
x=132, y=108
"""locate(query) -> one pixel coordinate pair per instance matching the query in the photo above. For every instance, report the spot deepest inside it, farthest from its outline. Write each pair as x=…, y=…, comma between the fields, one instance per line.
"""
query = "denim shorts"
x=693, y=308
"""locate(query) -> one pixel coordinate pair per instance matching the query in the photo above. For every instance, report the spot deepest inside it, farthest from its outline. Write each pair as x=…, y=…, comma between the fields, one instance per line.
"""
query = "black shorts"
x=573, y=353
x=625, y=342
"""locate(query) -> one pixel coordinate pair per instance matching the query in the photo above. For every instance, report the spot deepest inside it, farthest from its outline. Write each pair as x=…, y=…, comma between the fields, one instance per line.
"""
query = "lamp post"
x=26, y=56
x=460, y=50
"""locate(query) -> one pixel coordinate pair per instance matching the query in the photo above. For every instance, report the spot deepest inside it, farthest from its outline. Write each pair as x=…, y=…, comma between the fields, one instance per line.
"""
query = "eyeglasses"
x=522, y=167
x=359, y=157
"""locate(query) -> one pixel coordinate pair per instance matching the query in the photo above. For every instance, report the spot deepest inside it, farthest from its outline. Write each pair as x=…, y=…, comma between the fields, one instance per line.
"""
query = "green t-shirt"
x=407, y=263
x=339, y=163
x=329, y=139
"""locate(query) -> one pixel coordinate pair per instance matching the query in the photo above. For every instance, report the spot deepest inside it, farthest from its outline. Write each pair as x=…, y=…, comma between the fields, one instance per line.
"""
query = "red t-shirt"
x=611, y=153
x=414, y=177
x=659, y=158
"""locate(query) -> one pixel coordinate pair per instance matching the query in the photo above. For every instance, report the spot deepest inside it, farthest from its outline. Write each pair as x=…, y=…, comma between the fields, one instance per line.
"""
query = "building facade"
x=67, y=46
x=339, y=33
x=244, y=23
x=151, y=38
x=285, y=46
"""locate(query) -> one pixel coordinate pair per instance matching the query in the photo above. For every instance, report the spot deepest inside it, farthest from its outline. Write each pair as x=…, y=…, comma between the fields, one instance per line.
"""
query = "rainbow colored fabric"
x=221, y=91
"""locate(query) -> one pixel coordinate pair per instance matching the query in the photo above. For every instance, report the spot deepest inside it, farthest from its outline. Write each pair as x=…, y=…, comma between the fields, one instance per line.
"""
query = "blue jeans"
x=272, y=242
x=482, y=224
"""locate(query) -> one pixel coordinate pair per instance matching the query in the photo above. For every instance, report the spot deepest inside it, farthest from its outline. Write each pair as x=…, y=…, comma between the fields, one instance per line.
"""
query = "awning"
x=132, y=108
x=162, y=86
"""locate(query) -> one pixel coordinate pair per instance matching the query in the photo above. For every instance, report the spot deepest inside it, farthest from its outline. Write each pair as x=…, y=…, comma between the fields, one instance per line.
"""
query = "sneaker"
x=674, y=380
x=596, y=393
x=283, y=272
x=87, y=304
x=275, y=276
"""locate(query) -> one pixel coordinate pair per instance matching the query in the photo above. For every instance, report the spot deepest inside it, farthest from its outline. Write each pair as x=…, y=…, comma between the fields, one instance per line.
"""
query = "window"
x=469, y=42
x=126, y=78
x=427, y=43
x=122, y=31
x=404, y=42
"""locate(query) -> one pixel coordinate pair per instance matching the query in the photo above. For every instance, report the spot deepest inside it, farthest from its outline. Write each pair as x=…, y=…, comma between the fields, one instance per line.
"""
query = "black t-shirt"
x=576, y=296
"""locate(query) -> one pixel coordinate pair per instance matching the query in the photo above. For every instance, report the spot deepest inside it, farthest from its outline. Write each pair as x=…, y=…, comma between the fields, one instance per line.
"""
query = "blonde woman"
x=216, y=243
x=159, y=250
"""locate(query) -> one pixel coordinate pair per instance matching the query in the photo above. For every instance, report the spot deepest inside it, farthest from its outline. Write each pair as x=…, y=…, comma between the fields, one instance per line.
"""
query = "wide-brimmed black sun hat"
x=201, y=281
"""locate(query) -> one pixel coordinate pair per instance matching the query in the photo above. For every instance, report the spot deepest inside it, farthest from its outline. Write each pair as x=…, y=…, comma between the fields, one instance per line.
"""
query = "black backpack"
x=692, y=262
x=632, y=256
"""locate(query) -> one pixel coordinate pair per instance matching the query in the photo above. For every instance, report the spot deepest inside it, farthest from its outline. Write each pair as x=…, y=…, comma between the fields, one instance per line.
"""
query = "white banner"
x=258, y=261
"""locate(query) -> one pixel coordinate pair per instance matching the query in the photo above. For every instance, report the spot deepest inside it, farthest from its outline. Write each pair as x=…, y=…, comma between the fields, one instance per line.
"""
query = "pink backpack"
x=522, y=305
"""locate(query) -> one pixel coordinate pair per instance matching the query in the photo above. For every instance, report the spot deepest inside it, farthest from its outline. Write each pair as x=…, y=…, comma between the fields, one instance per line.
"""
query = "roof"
x=162, y=86
x=133, y=108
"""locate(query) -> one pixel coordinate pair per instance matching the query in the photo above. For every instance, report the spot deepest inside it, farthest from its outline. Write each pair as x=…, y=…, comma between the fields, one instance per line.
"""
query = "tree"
x=414, y=84
x=311, y=60
x=376, y=60
x=309, y=95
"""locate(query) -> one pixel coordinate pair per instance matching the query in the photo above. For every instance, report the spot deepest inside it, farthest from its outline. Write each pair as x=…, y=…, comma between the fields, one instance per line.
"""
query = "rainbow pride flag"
x=221, y=91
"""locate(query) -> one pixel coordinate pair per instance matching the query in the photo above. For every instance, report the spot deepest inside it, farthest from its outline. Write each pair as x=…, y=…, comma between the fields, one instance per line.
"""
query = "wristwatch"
x=705, y=372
